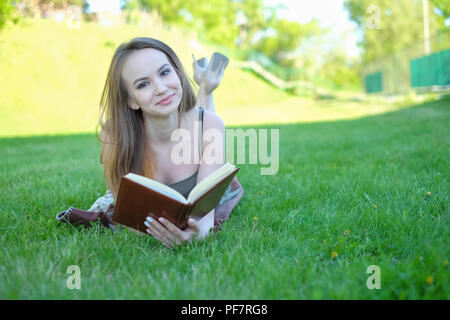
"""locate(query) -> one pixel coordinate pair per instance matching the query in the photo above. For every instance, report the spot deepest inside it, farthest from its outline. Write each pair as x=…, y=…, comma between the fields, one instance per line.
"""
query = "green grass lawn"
x=383, y=178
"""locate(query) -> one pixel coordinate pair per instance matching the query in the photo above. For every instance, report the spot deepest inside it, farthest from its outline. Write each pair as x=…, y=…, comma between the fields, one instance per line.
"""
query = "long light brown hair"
x=127, y=149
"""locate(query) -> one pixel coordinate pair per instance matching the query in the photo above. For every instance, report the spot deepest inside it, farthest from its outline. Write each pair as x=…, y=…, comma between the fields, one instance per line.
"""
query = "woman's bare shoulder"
x=212, y=120
x=189, y=117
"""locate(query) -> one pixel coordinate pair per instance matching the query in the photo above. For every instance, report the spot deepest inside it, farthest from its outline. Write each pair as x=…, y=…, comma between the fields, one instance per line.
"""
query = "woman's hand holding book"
x=170, y=235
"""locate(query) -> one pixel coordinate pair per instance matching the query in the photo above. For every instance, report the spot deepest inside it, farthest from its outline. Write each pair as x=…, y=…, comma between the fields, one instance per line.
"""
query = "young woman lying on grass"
x=147, y=95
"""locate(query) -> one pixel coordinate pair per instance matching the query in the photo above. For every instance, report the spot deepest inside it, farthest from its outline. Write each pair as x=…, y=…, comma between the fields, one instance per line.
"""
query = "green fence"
x=431, y=70
x=410, y=67
x=374, y=82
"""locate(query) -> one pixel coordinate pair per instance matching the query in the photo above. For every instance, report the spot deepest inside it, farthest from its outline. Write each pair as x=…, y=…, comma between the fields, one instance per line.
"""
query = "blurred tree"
x=442, y=8
x=62, y=4
x=341, y=70
x=389, y=25
x=215, y=18
x=251, y=19
x=168, y=9
x=131, y=11
x=285, y=37
x=7, y=11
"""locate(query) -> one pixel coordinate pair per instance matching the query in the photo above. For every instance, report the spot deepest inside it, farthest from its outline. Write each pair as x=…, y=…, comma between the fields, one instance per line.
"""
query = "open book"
x=139, y=196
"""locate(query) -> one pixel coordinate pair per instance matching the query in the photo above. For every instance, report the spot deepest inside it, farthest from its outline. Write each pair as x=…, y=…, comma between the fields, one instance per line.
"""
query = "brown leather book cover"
x=135, y=202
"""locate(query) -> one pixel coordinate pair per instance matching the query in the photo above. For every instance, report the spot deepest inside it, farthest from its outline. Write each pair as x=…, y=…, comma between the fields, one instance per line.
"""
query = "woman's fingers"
x=181, y=236
x=155, y=233
x=168, y=233
x=193, y=224
x=162, y=230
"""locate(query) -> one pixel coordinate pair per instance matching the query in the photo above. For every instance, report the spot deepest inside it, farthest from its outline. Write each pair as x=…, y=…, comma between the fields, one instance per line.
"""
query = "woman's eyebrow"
x=143, y=78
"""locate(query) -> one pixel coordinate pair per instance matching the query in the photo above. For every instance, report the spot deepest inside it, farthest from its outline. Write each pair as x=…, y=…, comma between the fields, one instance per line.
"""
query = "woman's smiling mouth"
x=166, y=101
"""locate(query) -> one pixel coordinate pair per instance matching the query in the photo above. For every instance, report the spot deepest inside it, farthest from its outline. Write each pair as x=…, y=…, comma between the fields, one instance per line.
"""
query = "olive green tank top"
x=185, y=186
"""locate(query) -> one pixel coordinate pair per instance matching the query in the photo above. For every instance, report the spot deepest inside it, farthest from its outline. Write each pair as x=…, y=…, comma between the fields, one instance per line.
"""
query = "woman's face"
x=150, y=78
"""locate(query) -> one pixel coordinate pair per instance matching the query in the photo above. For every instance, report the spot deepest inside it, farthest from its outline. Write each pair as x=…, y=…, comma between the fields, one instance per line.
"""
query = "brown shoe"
x=83, y=217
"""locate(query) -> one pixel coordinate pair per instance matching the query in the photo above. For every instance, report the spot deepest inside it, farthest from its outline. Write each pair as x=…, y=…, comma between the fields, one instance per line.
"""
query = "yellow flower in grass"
x=334, y=254
x=429, y=280
x=346, y=232
x=255, y=218
x=375, y=206
x=428, y=193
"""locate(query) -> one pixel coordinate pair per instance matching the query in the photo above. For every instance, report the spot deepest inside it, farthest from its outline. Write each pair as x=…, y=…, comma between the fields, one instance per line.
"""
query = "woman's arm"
x=205, y=99
x=205, y=224
x=213, y=150
x=165, y=231
x=213, y=138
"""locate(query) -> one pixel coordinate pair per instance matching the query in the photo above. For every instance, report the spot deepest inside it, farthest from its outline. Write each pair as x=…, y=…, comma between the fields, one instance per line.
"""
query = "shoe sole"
x=201, y=62
x=216, y=59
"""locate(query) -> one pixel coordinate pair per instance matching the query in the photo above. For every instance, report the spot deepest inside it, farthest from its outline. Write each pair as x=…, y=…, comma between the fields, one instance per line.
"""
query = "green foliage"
x=215, y=18
x=390, y=25
x=287, y=37
x=235, y=22
x=341, y=71
x=443, y=8
x=256, y=18
x=62, y=3
x=7, y=13
x=169, y=10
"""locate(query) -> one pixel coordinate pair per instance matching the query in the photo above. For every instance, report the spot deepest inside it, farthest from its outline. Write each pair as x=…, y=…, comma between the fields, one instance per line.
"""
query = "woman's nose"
x=160, y=86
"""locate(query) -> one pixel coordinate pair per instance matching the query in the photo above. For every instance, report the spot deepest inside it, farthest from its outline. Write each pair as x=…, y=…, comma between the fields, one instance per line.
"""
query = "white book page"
x=204, y=185
x=158, y=186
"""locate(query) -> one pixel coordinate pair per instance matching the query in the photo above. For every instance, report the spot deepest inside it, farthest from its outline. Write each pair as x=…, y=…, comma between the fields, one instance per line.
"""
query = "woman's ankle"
x=205, y=99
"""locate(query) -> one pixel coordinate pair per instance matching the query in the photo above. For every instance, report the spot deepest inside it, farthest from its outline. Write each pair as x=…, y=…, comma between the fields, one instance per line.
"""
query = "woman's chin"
x=162, y=109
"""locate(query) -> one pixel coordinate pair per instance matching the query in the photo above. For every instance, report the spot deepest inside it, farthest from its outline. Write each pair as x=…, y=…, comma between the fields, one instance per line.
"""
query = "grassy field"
x=348, y=194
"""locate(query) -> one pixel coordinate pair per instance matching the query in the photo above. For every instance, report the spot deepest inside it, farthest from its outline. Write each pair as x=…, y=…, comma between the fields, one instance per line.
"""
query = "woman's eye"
x=141, y=85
